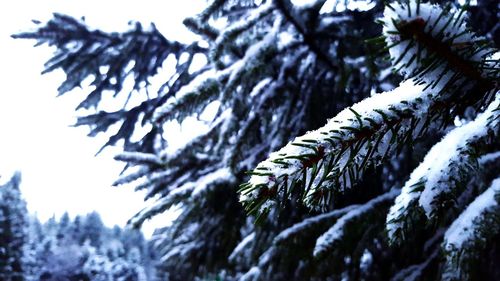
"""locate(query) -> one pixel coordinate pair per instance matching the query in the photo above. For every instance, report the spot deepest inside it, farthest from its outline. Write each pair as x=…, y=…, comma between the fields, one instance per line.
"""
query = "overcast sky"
x=60, y=172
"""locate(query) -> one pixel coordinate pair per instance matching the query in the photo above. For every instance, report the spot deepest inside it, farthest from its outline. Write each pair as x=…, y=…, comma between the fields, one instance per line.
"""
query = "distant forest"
x=78, y=249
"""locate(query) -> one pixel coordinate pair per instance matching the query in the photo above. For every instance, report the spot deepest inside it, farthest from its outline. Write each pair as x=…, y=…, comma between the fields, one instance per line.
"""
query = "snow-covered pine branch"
x=189, y=189
x=293, y=236
x=191, y=98
x=333, y=157
x=132, y=175
x=86, y=53
x=471, y=233
x=312, y=223
x=231, y=33
x=137, y=158
x=442, y=84
x=439, y=180
x=430, y=43
x=354, y=223
x=302, y=235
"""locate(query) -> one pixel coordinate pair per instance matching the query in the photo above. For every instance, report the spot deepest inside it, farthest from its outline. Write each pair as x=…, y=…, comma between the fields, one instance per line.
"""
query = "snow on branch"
x=334, y=156
x=170, y=171
x=428, y=42
x=295, y=235
x=132, y=176
x=206, y=87
x=311, y=223
x=490, y=157
x=190, y=189
x=459, y=71
x=448, y=166
x=241, y=247
x=237, y=28
x=470, y=233
x=458, y=145
x=138, y=158
x=191, y=98
x=108, y=58
x=344, y=226
x=253, y=61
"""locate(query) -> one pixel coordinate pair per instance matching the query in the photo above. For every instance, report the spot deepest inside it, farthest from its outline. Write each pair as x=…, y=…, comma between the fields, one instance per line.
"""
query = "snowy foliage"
x=67, y=250
x=471, y=232
x=13, y=230
x=340, y=230
x=445, y=171
x=275, y=71
x=448, y=68
x=364, y=134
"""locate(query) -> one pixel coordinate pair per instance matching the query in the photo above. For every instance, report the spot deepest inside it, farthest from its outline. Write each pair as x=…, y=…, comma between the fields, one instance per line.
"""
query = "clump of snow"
x=304, y=3
x=331, y=6
x=138, y=158
x=260, y=86
x=494, y=156
x=252, y=275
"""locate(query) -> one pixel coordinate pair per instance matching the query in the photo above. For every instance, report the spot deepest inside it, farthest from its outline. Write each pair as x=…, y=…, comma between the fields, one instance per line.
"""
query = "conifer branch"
x=239, y=27
x=471, y=233
x=353, y=224
x=286, y=8
x=414, y=272
x=109, y=58
x=334, y=157
x=442, y=176
x=183, y=192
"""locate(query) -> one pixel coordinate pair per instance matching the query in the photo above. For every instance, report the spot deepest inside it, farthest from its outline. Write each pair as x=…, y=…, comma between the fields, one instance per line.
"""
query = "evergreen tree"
x=34, y=243
x=75, y=230
x=322, y=203
x=13, y=230
x=105, y=254
x=92, y=229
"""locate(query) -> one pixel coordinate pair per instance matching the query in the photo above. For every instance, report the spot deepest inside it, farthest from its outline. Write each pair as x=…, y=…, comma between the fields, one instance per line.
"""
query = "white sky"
x=60, y=172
